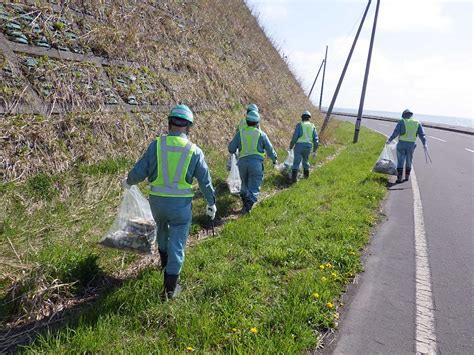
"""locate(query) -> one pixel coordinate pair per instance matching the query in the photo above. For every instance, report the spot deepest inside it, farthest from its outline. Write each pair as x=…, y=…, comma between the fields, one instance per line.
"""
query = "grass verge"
x=50, y=226
x=269, y=283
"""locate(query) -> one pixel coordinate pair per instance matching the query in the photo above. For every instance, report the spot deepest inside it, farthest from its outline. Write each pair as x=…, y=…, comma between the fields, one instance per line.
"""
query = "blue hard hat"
x=182, y=112
x=252, y=107
x=253, y=116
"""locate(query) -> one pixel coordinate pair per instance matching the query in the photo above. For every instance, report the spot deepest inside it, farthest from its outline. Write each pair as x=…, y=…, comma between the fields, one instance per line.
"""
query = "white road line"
x=439, y=139
x=425, y=332
x=469, y=150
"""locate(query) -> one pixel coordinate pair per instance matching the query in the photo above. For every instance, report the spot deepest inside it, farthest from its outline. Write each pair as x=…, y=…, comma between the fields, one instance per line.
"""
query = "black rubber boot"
x=399, y=175
x=247, y=207
x=407, y=174
x=306, y=174
x=163, y=259
x=294, y=176
x=172, y=287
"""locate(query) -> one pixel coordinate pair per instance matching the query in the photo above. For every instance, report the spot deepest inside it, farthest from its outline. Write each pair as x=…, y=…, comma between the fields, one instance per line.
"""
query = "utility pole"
x=333, y=101
x=314, y=82
x=366, y=77
x=324, y=74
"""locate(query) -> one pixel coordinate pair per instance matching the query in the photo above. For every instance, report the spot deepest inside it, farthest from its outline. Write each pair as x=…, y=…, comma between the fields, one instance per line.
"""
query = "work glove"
x=211, y=211
x=125, y=184
x=313, y=155
x=387, y=142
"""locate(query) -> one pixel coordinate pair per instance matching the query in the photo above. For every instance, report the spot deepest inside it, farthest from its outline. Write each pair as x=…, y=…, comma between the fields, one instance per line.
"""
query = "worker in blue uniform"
x=242, y=124
x=252, y=144
x=170, y=163
x=305, y=140
x=407, y=129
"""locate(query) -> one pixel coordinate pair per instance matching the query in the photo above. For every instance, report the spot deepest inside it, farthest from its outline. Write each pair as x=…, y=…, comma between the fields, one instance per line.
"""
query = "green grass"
x=279, y=270
x=53, y=222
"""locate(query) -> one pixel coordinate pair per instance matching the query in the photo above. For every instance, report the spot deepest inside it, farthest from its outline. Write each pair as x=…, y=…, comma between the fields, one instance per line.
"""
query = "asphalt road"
x=381, y=315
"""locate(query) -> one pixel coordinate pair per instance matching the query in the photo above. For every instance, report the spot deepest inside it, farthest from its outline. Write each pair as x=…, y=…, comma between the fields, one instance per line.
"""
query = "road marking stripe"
x=439, y=139
x=469, y=150
x=425, y=332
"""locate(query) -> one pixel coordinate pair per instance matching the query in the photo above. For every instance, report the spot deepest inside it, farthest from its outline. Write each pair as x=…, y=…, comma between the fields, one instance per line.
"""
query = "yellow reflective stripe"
x=307, y=136
x=174, y=156
x=249, y=142
x=411, y=128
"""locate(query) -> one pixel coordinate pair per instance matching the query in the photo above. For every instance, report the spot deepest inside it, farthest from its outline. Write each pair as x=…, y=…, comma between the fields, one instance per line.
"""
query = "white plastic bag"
x=134, y=228
x=286, y=167
x=233, y=181
x=387, y=161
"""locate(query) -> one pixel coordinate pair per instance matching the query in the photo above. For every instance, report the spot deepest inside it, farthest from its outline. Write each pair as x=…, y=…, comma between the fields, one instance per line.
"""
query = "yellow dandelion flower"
x=328, y=265
x=253, y=330
x=190, y=349
x=316, y=295
x=323, y=279
x=322, y=267
x=329, y=305
x=334, y=274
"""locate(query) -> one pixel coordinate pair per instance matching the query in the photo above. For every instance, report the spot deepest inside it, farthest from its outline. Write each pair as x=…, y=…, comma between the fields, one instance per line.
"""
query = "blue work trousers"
x=251, y=174
x=405, y=154
x=301, y=152
x=173, y=217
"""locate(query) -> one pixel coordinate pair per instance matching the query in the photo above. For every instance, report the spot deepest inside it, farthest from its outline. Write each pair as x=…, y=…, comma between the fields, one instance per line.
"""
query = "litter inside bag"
x=233, y=181
x=286, y=167
x=134, y=228
x=387, y=161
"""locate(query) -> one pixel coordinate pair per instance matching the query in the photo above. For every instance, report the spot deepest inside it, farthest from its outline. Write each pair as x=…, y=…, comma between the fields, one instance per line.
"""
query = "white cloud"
x=409, y=16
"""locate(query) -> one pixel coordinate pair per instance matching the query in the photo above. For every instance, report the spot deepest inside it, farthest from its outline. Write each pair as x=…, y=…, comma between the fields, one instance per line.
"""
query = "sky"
x=422, y=57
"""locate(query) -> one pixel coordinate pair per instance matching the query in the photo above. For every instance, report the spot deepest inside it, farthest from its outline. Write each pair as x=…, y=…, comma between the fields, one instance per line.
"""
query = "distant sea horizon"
x=447, y=120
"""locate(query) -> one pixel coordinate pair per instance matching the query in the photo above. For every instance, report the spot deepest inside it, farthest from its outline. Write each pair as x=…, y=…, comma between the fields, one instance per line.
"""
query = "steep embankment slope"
x=92, y=63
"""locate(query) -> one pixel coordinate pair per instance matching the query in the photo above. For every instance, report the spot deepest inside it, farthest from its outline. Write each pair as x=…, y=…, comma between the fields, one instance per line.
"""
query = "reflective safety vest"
x=242, y=123
x=249, y=142
x=411, y=128
x=307, y=136
x=173, y=155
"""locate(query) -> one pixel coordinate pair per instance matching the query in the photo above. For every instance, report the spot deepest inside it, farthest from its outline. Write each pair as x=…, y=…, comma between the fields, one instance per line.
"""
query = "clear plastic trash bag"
x=233, y=181
x=387, y=161
x=286, y=167
x=134, y=228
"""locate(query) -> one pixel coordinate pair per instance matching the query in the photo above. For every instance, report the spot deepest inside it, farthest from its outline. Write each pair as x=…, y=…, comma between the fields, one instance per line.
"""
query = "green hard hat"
x=407, y=114
x=253, y=116
x=252, y=107
x=183, y=112
x=306, y=114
